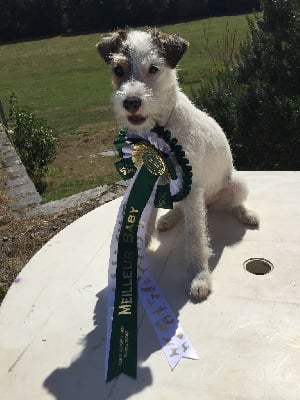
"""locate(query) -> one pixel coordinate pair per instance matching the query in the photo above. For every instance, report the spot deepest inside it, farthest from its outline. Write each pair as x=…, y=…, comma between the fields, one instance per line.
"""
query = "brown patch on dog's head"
x=111, y=45
x=172, y=47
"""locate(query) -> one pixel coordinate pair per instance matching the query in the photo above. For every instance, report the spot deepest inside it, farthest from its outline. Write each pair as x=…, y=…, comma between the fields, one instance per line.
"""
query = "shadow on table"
x=84, y=378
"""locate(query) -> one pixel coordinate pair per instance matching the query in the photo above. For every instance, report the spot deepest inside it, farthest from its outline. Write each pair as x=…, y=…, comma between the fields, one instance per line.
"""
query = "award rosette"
x=161, y=175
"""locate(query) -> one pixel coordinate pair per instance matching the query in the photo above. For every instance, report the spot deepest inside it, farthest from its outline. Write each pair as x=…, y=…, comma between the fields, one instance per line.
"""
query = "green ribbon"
x=123, y=341
x=126, y=168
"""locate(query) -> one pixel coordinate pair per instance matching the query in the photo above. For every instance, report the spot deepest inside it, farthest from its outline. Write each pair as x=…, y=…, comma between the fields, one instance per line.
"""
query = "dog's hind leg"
x=197, y=245
x=231, y=198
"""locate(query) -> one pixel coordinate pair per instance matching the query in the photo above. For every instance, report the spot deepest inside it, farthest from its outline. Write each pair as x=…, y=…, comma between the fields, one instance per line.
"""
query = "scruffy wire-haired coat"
x=143, y=66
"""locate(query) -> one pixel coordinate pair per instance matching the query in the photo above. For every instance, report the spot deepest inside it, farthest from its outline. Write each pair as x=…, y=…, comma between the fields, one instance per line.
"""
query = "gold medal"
x=145, y=153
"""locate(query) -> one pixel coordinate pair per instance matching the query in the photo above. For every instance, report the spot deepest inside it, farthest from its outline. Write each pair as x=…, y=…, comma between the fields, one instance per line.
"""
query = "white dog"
x=147, y=93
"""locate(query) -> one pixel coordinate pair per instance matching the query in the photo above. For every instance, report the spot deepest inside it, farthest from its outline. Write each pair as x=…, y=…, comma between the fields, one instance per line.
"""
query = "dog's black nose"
x=132, y=104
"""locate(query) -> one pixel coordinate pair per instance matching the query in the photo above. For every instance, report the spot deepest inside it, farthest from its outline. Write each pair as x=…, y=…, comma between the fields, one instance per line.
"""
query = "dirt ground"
x=21, y=237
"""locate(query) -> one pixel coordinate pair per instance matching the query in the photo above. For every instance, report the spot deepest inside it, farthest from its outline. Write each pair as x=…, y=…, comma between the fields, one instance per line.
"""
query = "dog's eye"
x=118, y=70
x=153, y=69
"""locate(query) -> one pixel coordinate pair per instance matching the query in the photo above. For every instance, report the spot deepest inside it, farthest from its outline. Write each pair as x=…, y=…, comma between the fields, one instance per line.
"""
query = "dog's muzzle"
x=132, y=104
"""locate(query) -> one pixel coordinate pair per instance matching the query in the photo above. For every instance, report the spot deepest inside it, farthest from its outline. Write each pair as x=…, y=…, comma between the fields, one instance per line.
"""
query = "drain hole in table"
x=258, y=266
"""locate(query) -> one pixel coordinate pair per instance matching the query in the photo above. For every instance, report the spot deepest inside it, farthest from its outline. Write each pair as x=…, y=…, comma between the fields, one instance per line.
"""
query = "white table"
x=247, y=334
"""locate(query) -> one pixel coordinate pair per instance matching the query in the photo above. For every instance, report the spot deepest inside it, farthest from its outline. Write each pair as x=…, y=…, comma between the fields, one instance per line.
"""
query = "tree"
x=222, y=7
x=257, y=99
x=192, y=8
x=21, y=18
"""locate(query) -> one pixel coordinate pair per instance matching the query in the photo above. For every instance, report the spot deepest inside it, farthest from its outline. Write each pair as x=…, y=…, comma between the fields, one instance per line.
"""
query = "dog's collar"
x=175, y=184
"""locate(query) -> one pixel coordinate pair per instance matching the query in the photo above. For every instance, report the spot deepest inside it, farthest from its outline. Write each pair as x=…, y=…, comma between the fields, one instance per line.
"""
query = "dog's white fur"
x=215, y=183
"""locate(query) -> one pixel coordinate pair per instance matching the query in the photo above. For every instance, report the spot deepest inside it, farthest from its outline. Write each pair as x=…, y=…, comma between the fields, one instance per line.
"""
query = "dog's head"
x=143, y=70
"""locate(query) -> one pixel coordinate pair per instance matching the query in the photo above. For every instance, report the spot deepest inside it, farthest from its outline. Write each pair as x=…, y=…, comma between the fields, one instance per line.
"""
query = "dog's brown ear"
x=172, y=47
x=111, y=44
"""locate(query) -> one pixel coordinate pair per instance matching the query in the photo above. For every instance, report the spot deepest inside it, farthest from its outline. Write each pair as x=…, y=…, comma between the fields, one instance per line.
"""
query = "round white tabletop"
x=247, y=333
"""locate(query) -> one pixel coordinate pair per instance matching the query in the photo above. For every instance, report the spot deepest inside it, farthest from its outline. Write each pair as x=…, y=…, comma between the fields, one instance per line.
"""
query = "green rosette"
x=127, y=167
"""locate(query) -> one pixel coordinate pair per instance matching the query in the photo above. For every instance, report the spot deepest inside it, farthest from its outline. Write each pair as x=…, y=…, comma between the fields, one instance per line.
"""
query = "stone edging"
x=101, y=194
x=25, y=199
x=19, y=187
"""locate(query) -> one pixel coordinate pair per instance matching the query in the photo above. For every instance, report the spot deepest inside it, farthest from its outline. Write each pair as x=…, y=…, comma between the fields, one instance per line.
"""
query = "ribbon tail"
x=122, y=357
x=170, y=334
x=179, y=347
x=111, y=287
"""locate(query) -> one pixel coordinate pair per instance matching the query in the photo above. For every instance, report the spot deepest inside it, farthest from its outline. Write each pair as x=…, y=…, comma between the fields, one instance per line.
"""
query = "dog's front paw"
x=251, y=218
x=200, y=287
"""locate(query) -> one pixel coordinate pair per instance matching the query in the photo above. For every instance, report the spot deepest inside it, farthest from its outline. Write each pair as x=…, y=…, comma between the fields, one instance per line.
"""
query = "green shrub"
x=34, y=141
x=257, y=98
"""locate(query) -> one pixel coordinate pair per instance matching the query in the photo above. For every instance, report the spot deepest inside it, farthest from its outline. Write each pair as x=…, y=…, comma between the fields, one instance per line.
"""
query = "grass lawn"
x=65, y=82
